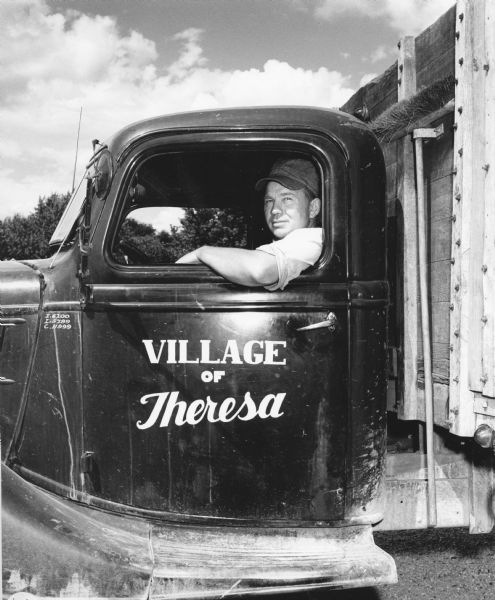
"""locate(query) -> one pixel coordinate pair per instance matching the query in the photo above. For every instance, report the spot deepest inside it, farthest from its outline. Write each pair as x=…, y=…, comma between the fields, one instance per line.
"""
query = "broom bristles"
x=406, y=112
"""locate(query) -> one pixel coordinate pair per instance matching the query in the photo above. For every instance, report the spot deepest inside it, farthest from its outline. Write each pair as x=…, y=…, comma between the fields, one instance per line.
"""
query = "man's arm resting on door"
x=245, y=267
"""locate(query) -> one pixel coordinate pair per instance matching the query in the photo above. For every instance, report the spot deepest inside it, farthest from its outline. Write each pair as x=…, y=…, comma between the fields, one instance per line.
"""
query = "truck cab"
x=181, y=434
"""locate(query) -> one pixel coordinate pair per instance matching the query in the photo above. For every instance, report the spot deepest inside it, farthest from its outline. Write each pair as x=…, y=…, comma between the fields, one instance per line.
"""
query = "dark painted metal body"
x=311, y=475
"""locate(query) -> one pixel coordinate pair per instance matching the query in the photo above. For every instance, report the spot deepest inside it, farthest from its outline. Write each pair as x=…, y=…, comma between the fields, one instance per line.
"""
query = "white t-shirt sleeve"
x=294, y=253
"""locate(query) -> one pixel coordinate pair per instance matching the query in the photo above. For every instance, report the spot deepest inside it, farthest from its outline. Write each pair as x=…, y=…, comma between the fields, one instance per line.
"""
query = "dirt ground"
x=441, y=564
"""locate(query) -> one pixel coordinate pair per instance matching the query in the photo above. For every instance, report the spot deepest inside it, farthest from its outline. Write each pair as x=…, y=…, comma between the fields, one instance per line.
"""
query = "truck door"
x=205, y=399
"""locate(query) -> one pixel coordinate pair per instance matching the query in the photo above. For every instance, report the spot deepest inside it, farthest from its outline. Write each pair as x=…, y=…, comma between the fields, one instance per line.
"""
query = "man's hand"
x=191, y=258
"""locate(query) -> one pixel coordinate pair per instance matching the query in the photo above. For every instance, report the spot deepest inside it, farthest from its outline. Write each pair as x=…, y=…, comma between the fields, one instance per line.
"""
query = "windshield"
x=100, y=172
x=71, y=213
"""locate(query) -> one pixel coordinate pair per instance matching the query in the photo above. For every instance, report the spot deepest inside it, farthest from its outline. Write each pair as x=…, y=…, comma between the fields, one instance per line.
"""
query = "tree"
x=28, y=237
x=207, y=227
x=139, y=243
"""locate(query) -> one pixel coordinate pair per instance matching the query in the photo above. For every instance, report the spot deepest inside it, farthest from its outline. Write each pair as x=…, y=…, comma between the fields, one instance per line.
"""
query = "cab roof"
x=343, y=127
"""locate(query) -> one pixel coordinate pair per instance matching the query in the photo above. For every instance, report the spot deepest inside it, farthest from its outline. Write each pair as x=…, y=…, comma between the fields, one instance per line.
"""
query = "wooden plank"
x=377, y=95
x=440, y=395
x=484, y=405
x=405, y=486
x=391, y=186
x=440, y=371
x=438, y=175
x=488, y=329
x=391, y=174
x=389, y=154
x=440, y=247
x=441, y=208
x=443, y=353
x=443, y=357
x=408, y=407
x=440, y=347
x=461, y=398
x=440, y=402
x=440, y=67
x=440, y=288
x=441, y=365
x=435, y=48
x=393, y=264
x=439, y=164
x=384, y=93
x=441, y=167
x=357, y=100
x=412, y=465
x=442, y=177
x=476, y=40
x=438, y=154
x=440, y=323
x=405, y=504
x=380, y=104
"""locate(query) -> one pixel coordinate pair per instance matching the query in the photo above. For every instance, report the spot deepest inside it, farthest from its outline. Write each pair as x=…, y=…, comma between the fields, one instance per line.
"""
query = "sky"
x=125, y=60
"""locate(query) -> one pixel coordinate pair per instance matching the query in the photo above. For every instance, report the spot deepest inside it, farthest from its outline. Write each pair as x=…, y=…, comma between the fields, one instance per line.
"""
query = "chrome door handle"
x=330, y=322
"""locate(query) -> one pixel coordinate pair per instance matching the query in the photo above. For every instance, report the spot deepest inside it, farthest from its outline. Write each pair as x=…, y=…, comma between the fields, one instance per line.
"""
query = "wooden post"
x=461, y=399
x=482, y=477
x=487, y=70
x=406, y=78
x=472, y=337
x=475, y=37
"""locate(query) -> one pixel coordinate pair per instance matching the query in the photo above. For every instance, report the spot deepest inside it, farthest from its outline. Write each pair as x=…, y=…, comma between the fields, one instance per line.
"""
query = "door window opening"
x=179, y=201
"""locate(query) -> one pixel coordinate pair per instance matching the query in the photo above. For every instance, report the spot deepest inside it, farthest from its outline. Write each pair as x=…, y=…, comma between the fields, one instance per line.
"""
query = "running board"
x=58, y=548
x=228, y=560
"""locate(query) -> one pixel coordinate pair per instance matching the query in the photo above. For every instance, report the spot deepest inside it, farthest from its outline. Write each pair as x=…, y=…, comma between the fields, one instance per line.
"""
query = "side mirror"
x=103, y=174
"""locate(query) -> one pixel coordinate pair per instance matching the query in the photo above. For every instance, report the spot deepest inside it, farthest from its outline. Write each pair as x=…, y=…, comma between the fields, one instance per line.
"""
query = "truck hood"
x=21, y=290
x=20, y=287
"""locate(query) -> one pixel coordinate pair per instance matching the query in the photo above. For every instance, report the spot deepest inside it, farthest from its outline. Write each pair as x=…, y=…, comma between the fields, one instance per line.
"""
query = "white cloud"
x=408, y=17
x=52, y=64
x=366, y=78
x=160, y=219
x=280, y=83
x=191, y=55
x=328, y=9
x=21, y=195
x=380, y=53
x=10, y=149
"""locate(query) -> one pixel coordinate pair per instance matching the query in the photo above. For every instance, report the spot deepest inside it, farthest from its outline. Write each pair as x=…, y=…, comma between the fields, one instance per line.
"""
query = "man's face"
x=285, y=209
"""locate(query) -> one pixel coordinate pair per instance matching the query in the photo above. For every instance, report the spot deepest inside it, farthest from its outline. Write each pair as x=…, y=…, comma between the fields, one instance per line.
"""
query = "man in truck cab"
x=291, y=205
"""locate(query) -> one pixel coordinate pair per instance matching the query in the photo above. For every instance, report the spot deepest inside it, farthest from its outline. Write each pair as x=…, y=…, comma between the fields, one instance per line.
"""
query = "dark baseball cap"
x=292, y=173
